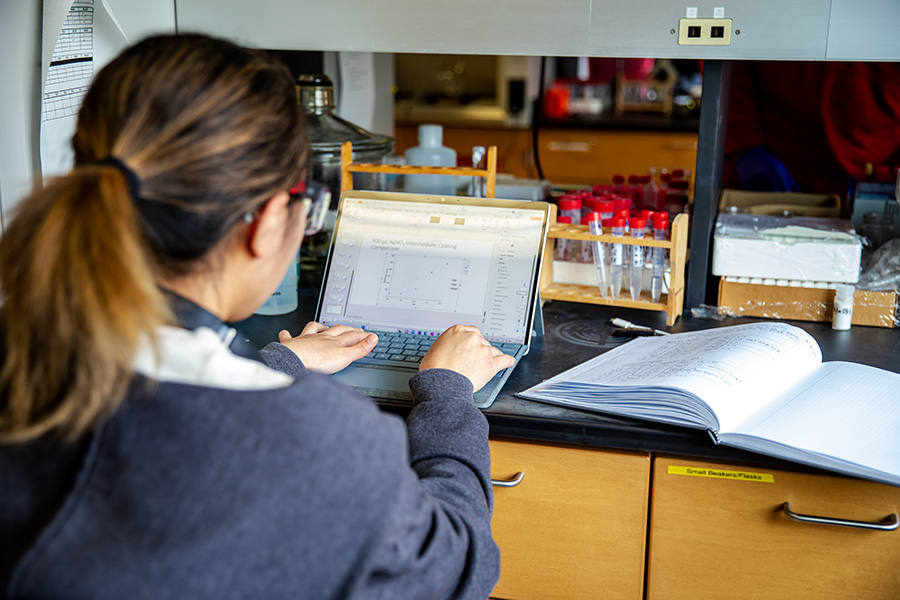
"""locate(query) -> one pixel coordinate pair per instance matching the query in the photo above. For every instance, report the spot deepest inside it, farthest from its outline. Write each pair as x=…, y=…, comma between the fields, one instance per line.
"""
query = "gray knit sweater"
x=228, y=479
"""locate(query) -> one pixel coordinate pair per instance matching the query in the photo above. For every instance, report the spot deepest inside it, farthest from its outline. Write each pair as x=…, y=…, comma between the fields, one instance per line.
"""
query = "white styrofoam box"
x=512, y=188
x=792, y=248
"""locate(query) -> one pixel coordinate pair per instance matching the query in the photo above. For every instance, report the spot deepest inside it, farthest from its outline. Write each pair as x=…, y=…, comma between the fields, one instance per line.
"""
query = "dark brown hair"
x=210, y=130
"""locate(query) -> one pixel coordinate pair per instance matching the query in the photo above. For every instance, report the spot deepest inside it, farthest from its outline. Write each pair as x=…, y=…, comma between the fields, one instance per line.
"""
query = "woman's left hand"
x=328, y=349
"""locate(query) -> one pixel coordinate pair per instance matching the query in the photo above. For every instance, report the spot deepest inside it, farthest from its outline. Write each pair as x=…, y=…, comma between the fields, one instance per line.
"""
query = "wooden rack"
x=348, y=167
x=672, y=303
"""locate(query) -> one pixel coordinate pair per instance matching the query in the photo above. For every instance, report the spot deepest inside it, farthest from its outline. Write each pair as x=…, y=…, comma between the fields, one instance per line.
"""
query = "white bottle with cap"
x=843, y=307
x=431, y=153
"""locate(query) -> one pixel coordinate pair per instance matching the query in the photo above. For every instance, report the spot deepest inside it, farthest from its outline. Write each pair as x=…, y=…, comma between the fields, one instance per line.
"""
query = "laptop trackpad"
x=377, y=383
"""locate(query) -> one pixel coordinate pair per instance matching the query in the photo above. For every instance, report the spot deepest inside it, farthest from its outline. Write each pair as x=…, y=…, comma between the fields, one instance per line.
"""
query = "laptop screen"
x=415, y=263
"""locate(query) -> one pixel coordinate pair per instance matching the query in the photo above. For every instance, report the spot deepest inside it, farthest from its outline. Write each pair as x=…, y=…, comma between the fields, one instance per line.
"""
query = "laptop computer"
x=408, y=266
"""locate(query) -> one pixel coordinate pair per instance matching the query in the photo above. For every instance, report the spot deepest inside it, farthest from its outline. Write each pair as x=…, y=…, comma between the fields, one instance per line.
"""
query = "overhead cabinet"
x=761, y=30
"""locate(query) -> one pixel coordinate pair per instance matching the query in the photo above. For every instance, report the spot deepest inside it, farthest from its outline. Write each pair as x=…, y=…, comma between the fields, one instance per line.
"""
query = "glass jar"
x=878, y=227
x=327, y=132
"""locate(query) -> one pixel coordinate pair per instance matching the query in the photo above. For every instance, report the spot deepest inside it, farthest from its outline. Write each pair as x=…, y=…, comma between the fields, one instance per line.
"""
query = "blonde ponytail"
x=80, y=296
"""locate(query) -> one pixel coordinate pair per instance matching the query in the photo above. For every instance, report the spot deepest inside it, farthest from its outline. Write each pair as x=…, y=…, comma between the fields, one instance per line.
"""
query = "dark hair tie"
x=134, y=184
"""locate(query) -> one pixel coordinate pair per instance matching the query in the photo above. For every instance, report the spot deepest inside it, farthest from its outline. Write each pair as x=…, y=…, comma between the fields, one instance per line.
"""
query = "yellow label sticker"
x=721, y=474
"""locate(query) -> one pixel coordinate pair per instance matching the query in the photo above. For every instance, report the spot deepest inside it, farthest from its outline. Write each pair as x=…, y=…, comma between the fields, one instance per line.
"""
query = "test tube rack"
x=348, y=167
x=672, y=302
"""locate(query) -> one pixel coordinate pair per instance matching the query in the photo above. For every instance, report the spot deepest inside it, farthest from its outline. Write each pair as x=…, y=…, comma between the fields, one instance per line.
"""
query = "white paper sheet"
x=357, y=91
x=87, y=39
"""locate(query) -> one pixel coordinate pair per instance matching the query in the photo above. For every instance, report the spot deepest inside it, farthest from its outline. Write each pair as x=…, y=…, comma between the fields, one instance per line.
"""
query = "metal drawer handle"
x=509, y=482
x=892, y=521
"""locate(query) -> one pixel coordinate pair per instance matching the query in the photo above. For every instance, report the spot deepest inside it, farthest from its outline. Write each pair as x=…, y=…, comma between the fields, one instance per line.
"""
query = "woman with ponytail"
x=146, y=451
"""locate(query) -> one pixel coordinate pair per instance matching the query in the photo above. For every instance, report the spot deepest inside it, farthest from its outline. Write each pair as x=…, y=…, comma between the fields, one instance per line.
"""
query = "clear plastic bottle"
x=431, y=153
x=285, y=299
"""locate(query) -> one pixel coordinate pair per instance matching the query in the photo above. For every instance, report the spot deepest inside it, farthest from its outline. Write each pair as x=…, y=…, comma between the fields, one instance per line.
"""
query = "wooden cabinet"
x=717, y=534
x=575, y=526
x=594, y=156
x=568, y=156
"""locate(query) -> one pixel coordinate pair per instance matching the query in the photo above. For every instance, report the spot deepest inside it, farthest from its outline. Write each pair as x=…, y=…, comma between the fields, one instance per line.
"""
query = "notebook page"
x=843, y=410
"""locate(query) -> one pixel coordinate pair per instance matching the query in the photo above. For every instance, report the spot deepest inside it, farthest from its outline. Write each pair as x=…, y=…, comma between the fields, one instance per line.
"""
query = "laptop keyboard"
x=398, y=349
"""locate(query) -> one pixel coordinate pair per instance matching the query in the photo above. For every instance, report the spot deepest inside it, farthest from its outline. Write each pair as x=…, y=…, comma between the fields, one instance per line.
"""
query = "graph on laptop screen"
x=422, y=267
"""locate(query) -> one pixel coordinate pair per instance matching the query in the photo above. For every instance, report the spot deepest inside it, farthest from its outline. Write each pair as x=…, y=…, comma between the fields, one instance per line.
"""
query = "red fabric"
x=823, y=120
x=605, y=69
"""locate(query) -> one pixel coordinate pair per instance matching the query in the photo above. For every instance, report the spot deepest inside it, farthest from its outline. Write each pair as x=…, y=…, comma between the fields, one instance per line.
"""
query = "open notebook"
x=408, y=266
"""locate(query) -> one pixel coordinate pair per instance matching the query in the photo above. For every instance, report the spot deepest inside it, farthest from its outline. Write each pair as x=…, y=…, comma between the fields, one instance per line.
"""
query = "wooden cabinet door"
x=594, y=156
x=574, y=527
x=719, y=531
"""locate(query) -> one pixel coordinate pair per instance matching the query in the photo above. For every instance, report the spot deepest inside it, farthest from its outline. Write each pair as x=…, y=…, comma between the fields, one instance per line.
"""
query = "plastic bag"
x=881, y=272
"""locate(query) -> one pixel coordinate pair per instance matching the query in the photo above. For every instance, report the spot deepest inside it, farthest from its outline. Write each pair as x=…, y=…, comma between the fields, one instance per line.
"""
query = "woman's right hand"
x=463, y=349
x=328, y=349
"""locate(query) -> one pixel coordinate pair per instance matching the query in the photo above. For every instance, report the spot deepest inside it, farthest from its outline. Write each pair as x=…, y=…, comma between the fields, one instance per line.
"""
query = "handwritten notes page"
x=843, y=416
x=698, y=379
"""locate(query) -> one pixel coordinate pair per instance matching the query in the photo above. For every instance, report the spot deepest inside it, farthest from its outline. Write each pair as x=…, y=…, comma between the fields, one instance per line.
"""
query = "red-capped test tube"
x=660, y=232
x=616, y=259
x=647, y=216
x=624, y=214
x=605, y=208
x=560, y=251
x=599, y=251
x=570, y=206
x=584, y=247
x=637, y=258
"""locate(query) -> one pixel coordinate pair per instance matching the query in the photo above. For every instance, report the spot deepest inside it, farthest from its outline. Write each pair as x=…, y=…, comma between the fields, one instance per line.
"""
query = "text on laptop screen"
x=422, y=267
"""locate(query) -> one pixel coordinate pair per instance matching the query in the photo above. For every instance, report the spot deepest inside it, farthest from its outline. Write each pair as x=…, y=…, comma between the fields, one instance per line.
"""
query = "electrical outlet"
x=704, y=32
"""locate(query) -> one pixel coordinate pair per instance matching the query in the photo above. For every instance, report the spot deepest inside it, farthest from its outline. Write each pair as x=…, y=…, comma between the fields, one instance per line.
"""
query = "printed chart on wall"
x=88, y=38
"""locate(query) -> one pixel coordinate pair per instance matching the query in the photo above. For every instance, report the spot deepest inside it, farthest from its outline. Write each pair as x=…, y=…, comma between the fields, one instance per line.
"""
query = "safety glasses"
x=315, y=197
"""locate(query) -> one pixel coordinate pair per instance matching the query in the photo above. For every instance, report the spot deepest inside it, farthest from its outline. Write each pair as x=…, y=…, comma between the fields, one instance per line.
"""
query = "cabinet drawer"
x=574, y=527
x=713, y=536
